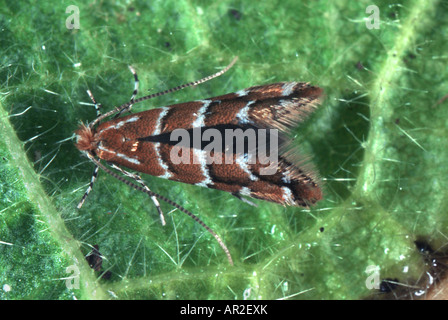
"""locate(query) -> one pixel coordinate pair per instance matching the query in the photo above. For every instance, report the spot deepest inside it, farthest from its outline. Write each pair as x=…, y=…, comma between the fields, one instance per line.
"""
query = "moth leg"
x=236, y=194
x=134, y=93
x=96, y=105
x=89, y=188
x=95, y=171
x=158, y=196
x=139, y=180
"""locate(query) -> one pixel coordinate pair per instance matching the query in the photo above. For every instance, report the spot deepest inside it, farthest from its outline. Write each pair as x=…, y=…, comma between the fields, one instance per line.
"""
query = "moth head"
x=85, y=138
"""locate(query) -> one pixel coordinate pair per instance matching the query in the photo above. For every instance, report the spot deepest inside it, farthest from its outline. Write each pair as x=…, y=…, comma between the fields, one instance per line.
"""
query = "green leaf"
x=378, y=141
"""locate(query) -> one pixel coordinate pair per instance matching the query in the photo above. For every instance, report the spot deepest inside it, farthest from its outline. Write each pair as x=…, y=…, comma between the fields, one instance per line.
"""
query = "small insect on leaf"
x=237, y=142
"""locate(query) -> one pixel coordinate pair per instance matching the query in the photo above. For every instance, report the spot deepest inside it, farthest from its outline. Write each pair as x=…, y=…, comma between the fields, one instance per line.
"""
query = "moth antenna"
x=170, y=202
x=158, y=94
